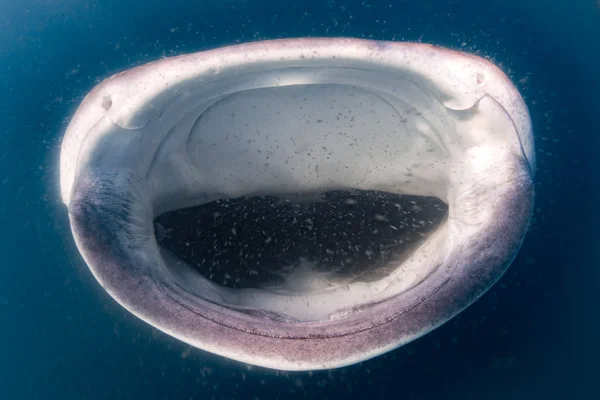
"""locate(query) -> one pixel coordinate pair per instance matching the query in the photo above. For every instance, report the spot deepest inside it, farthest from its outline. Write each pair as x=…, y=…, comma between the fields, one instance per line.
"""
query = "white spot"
x=380, y=217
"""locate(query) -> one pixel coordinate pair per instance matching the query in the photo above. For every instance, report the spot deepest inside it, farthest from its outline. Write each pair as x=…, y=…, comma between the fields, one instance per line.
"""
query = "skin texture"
x=106, y=182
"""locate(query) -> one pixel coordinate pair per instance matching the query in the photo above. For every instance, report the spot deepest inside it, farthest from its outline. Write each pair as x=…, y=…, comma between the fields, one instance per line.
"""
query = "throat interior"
x=300, y=243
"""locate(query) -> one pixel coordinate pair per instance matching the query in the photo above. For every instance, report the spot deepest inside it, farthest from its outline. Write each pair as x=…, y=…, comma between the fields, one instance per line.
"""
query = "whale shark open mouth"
x=301, y=203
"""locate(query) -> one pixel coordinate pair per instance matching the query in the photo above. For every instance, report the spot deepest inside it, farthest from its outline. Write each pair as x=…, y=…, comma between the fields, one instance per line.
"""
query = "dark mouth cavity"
x=255, y=242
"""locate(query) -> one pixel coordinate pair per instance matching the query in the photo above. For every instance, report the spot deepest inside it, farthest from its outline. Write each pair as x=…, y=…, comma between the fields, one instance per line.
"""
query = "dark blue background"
x=534, y=335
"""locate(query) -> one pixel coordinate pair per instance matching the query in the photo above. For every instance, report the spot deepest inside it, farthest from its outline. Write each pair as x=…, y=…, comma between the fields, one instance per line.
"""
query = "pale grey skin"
x=187, y=130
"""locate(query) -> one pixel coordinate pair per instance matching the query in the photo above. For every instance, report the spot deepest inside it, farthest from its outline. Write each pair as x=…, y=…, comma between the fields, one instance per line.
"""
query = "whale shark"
x=300, y=204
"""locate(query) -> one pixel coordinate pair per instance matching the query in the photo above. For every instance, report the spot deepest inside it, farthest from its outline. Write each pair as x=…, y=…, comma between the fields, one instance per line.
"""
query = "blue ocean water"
x=533, y=335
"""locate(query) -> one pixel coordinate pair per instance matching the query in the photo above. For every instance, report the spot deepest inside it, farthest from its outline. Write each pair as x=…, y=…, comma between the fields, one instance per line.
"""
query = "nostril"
x=107, y=103
x=481, y=80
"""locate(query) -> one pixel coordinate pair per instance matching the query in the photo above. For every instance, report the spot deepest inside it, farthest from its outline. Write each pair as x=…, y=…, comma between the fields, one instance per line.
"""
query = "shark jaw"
x=320, y=129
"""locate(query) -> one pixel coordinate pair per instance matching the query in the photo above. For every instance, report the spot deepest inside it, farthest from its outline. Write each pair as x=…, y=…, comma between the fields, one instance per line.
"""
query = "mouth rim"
x=91, y=203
